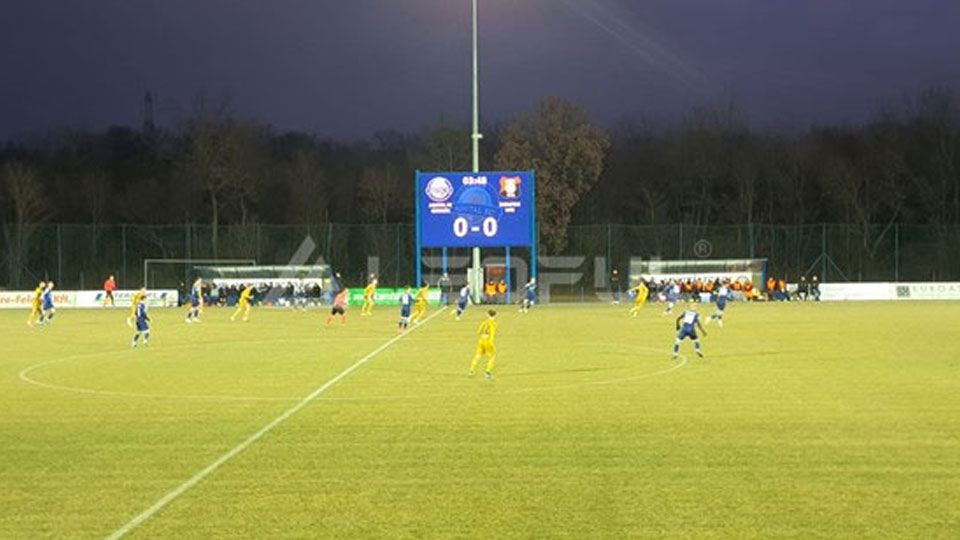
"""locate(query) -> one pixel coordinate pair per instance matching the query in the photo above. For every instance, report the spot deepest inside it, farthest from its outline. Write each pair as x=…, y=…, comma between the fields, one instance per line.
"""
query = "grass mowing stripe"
x=195, y=479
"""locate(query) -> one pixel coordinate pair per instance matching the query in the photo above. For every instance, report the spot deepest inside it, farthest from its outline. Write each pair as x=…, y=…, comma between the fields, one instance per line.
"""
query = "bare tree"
x=378, y=189
x=29, y=209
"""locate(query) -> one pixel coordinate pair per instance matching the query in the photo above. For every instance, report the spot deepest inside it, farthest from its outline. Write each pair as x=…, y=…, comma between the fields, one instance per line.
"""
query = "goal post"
x=154, y=262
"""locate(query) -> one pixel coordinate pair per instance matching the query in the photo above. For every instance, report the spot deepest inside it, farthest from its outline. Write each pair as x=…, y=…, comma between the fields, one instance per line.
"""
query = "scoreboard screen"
x=484, y=209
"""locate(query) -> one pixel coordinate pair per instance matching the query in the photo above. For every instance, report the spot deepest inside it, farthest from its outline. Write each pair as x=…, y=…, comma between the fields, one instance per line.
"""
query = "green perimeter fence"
x=81, y=256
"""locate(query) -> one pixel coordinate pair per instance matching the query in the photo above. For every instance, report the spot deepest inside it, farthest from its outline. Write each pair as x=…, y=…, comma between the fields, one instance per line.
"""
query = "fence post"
x=896, y=252
x=823, y=249
x=123, y=253
x=680, y=253
x=59, y=256
x=258, y=244
x=609, y=249
x=396, y=272
x=186, y=272
x=750, y=233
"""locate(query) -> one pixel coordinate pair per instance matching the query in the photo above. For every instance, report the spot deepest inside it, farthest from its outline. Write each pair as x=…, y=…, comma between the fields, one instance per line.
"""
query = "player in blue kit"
x=406, y=304
x=529, y=295
x=143, y=324
x=673, y=295
x=196, y=298
x=722, y=293
x=462, y=300
x=687, y=324
x=47, y=310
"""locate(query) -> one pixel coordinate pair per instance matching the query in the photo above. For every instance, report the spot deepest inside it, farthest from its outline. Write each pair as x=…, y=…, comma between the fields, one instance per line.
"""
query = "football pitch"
x=804, y=420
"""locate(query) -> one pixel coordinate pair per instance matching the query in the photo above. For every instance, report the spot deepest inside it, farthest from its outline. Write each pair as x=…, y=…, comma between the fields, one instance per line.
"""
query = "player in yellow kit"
x=485, y=344
x=420, y=303
x=640, y=299
x=243, y=305
x=137, y=296
x=368, y=293
x=36, y=304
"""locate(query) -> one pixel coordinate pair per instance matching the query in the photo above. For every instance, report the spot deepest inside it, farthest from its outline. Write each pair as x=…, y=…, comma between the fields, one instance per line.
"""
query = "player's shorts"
x=143, y=326
x=405, y=312
x=462, y=305
x=194, y=301
x=672, y=297
x=530, y=297
x=722, y=303
x=109, y=294
x=337, y=310
x=687, y=332
x=48, y=307
x=485, y=348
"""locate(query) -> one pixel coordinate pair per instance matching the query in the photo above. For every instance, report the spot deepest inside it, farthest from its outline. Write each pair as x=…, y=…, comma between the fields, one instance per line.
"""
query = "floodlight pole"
x=476, y=136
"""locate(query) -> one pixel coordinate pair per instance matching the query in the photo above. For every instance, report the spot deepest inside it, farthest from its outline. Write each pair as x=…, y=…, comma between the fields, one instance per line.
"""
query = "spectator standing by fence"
x=445, y=286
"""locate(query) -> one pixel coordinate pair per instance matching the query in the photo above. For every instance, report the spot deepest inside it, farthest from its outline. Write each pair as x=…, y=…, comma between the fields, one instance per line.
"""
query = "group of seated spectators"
x=290, y=293
x=495, y=292
x=775, y=289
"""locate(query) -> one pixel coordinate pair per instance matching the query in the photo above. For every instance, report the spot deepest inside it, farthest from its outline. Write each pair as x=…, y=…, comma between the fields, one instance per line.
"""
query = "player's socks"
x=491, y=363
x=146, y=338
x=136, y=337
x=696, y=345
x=473, y=364
x=489, y=376
x=676, y=347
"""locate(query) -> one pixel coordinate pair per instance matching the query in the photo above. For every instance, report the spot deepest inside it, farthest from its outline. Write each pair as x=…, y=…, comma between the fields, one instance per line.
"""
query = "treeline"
x=712, y=168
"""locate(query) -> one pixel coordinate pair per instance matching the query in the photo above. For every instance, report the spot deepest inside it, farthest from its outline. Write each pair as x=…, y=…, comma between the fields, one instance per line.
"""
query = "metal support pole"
x=476, y=136
x=416, y=223
x=396, y=271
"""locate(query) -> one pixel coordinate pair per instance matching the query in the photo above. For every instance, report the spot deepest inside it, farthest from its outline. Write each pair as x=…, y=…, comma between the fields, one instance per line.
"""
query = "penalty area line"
x=219, y=462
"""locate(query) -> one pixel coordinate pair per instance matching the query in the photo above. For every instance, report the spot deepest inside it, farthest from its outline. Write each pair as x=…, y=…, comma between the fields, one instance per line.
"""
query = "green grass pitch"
x=807, y=421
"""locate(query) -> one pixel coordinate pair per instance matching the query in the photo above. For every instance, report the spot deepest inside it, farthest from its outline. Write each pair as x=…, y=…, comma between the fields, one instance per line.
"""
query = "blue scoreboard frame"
x=476, y=209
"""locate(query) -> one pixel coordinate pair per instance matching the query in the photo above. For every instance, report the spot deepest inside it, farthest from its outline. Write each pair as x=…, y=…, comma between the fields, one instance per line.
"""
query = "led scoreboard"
x=484, y=209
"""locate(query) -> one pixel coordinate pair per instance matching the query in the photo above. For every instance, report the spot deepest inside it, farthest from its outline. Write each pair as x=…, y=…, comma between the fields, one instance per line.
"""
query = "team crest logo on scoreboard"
x=510, y=187
x=439, y=189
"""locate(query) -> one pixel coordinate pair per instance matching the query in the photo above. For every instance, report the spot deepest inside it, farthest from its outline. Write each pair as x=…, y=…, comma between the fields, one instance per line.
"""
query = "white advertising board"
x=855, y=291
x=87, y=299
x=926, y=291
x=890, y=291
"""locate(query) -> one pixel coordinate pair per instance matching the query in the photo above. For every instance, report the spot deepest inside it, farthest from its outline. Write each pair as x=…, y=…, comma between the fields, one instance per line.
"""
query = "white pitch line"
x=195, y=479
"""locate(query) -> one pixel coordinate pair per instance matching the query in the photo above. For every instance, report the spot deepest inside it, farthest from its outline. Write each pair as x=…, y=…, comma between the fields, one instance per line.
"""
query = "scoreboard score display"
x=483, y=209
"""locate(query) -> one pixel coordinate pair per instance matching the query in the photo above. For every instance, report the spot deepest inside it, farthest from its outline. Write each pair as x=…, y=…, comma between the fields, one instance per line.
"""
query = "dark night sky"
x=346, y=68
